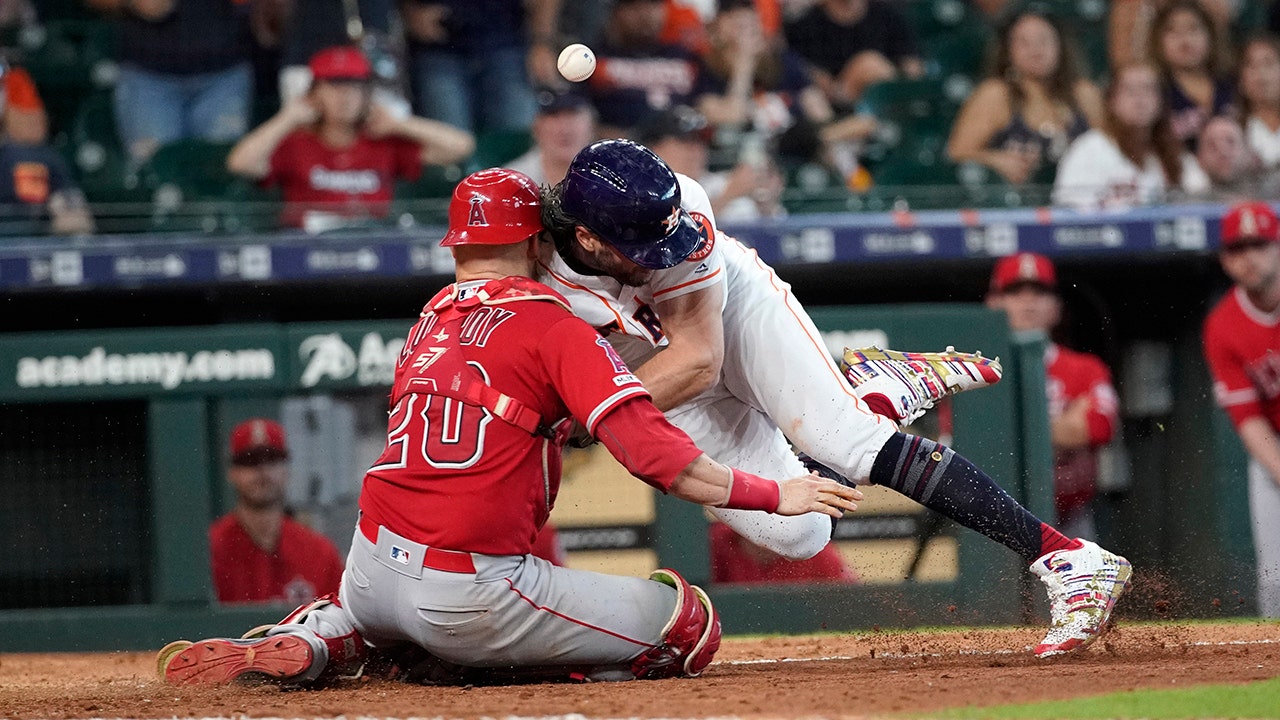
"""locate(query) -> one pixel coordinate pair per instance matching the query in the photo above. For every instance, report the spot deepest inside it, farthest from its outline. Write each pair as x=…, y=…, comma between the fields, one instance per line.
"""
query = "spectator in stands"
x=257, y=552
x=1240, y=348
x=184, y=71
x=853, y=44
x=565, y=124
x=475, y=61
x=1083, y=405
x=1232, y=170
x=752, y=82
x=734, y=559
x=1020, y=120
x=335, y=154
x=312, y=25
x=1133, y=158
x=37, y=193
x=1259, y=88
x=1130, y=22
x=636, y=72
x=24, y=118
x=751, y=189
x=1191, y=53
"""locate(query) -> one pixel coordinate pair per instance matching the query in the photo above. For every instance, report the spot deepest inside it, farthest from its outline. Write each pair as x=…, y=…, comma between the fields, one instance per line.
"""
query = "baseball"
x=576, y=62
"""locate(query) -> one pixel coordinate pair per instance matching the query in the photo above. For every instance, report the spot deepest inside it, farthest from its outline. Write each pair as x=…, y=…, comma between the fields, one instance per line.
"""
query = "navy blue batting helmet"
x=627, y=195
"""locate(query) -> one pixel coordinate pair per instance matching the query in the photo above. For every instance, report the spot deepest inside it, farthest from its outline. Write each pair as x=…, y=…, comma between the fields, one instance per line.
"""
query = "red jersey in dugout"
x=1242, y=346
x=1072, y=375
x=357, y=181
x=453, y=475
x=304, y=565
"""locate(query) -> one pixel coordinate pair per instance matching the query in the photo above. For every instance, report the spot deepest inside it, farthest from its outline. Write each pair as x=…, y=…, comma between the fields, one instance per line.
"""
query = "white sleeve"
x=694, y=199
x=1076, y=183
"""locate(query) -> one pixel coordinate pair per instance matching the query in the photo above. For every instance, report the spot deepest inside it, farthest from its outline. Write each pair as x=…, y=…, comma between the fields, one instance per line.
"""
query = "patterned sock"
x=941, y=480
x=1052, y=541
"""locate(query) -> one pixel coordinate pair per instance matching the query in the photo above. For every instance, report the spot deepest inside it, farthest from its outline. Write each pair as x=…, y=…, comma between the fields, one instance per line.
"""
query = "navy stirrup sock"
x=938, y=478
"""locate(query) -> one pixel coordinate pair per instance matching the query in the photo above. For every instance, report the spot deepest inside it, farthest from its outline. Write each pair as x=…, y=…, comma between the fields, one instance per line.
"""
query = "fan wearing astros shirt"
x=336, y=155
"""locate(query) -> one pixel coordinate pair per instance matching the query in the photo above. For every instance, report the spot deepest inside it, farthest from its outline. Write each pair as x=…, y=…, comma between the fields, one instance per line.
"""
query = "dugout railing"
x=113, y=524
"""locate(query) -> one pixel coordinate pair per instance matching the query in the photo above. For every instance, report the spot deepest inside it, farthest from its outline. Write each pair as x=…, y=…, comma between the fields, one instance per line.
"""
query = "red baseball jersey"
x=358, y=181
x=735, y=560
x=453, y=475
x=303, y=566
x=1072, y=375
x=1242, y=346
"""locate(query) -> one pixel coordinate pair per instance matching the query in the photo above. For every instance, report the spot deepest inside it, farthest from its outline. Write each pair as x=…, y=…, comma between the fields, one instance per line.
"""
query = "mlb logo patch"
x=400, y=555
x=1057, y=564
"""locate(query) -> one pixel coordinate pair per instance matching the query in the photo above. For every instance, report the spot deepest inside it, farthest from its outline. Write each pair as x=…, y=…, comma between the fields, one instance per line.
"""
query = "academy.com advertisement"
x=222, y=360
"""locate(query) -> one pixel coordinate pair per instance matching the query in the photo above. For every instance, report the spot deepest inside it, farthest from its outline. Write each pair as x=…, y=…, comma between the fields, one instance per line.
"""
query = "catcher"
x=489, y=383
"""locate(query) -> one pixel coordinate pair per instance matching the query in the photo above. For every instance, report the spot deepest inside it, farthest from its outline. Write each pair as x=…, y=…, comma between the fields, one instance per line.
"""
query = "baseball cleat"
x=1084, y=585
x=907, y=384
x=221, y=661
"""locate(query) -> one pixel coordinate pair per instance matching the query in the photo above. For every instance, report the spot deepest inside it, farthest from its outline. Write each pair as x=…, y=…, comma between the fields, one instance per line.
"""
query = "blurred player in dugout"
x=1083, y=407
x=259, y=553
x=1241, y=339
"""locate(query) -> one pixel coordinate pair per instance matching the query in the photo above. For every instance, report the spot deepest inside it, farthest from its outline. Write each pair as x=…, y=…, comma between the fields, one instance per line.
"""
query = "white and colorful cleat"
x=910, y=383
x=1084, y=585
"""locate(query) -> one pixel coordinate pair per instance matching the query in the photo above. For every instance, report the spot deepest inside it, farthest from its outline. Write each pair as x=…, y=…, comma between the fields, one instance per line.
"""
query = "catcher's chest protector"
x=437, y=365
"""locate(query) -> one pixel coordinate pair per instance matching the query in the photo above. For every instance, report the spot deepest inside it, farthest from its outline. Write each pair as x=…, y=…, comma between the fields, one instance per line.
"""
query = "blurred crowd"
x=340, y=107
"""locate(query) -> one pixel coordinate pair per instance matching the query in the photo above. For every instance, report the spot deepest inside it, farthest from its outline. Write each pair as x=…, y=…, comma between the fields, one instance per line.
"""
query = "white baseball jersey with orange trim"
x=777, y=381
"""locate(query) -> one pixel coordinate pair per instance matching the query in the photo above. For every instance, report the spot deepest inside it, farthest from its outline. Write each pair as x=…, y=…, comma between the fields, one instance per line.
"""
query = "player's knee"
x=690, y=638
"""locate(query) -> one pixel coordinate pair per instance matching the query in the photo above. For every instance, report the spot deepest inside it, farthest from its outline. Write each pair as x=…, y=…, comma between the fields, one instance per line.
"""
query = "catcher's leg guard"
x=323, y=619
x=690, y=638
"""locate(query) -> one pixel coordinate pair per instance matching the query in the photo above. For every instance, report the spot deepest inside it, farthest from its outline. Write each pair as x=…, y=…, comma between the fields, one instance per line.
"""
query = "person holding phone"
x=335, y=154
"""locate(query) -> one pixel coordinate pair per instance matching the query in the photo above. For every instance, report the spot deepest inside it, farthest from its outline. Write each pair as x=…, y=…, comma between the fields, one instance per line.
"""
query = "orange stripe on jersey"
x=688, y=284
x=844, y=384
x=589, y=291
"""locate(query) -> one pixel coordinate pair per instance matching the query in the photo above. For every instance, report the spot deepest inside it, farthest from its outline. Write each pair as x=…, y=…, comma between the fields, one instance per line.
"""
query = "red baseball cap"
x=257, y=441
x=1023, y=268
x=342, y=62
x=1250, y=221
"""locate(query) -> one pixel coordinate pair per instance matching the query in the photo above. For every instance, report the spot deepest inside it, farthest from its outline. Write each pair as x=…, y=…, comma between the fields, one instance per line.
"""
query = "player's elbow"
x=704, y=370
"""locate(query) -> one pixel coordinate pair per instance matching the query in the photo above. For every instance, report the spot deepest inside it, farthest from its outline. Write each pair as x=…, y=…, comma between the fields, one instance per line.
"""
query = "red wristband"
x=752, y=492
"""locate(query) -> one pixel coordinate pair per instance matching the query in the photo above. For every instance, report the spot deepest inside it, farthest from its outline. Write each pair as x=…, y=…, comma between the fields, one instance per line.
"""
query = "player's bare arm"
x=1263, y=444
x=691, y=361
x=707, y=482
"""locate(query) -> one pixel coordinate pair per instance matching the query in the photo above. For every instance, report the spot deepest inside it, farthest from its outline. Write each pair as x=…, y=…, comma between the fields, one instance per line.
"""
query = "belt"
x=434, y=558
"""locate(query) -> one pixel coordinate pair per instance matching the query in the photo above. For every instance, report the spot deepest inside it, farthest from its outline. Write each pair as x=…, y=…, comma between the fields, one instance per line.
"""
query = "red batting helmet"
x=493, y=207
x=1023, y=269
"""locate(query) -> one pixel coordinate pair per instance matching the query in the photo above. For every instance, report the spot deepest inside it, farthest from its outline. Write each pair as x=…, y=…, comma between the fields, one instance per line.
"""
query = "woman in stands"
x=335, y=154
x=1133, y=157
x=1192, y=57
x=1021, y=119
x=1260, y=98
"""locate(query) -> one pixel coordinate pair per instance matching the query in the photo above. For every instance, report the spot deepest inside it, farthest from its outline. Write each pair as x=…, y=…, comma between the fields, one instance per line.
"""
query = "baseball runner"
x=484, y=388
x=1241, y=339
x=731, y=356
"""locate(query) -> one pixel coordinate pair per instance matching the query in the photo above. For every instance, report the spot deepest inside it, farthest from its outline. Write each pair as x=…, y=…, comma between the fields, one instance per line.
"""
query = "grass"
x=1253, y=700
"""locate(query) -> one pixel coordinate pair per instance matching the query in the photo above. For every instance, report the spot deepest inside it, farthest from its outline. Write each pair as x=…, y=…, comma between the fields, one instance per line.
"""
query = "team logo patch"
x=476, y=217
x=707, y=238
x=619, y=366
x=672, y=220
x=400, y=555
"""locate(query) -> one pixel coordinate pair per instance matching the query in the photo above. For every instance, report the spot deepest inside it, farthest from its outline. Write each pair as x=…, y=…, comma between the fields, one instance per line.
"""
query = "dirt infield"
x=829, y=675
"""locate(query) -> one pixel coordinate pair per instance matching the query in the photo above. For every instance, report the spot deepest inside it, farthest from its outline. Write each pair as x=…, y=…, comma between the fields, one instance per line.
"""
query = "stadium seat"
x=69, y=60
x=498, y=147
x=194, y=192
